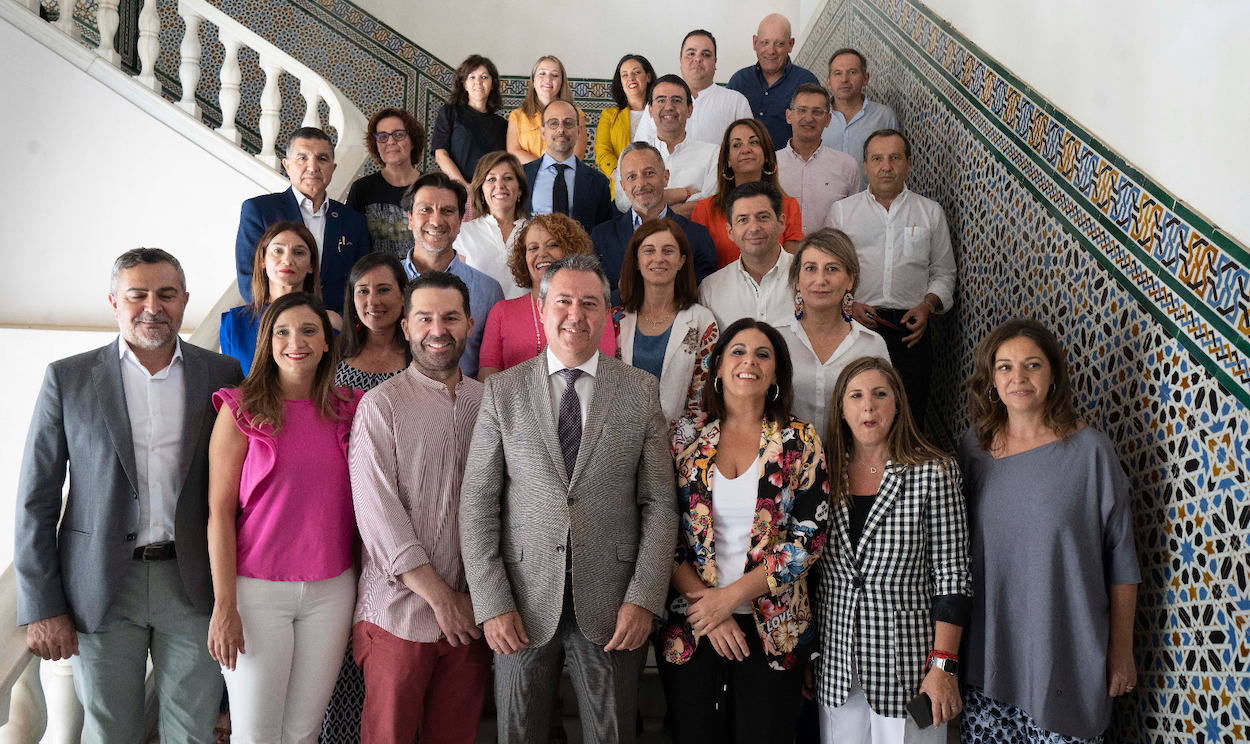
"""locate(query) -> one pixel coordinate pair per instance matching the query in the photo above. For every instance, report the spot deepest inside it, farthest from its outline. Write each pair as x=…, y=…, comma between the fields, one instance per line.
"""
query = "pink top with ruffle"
x=296, y=521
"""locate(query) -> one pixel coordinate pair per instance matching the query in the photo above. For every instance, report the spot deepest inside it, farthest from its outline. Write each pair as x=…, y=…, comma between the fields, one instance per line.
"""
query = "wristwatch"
x=950, y=666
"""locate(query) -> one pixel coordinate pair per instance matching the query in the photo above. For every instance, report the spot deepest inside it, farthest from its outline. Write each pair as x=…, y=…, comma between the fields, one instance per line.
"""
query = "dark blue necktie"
x=560, y=191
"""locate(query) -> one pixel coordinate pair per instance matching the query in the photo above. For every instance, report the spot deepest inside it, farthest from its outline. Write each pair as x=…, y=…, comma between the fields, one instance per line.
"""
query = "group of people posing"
x=526, y=412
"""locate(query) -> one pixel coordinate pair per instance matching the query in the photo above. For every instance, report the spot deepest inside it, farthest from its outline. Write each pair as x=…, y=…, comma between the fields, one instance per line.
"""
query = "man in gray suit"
x=568, y=518
x=127, y=570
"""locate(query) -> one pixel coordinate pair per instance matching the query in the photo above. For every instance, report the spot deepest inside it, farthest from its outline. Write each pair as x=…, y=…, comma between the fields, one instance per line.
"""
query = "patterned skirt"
x=989, y=721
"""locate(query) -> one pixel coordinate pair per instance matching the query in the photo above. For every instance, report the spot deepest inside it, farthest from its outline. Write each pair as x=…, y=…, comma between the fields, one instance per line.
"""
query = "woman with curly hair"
x=395, y=140
x=753, y=496
x=514, y=329
x=1055, y=570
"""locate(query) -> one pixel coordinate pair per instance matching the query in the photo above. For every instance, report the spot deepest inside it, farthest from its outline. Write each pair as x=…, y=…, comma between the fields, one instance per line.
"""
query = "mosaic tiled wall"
x=1153, y=305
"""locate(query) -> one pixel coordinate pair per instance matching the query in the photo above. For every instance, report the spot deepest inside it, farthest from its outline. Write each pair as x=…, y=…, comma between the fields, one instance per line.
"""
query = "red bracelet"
x=935, y=654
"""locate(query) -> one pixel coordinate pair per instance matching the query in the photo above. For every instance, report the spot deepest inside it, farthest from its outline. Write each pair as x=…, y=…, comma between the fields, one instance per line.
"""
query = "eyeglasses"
x=804, y=111
x=399, y=135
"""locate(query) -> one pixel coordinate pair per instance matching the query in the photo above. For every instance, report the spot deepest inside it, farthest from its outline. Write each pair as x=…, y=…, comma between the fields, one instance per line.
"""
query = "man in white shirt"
x=691, y=164
x=854, y=116
x=907, y=266
x=815, y=175
x=715, y=107
x=756, y=284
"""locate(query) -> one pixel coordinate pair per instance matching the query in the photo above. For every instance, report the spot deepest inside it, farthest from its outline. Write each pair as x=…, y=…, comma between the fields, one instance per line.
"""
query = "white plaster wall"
x=89, y=175
x=1163, y=82
x=589, y=37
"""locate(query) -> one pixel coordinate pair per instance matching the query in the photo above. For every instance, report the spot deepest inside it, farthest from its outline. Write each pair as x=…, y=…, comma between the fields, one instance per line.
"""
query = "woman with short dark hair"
x=753, y=496
x=630, y=82
x=469, y=125
x=396, y=141
x=498, y=194
x=1055, y=572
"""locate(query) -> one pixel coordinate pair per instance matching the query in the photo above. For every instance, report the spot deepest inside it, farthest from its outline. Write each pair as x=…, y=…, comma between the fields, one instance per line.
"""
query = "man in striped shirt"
x=424, y=660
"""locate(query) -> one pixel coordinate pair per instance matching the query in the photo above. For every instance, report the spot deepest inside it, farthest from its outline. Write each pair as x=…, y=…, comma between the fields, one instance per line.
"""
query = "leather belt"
x=158, y=551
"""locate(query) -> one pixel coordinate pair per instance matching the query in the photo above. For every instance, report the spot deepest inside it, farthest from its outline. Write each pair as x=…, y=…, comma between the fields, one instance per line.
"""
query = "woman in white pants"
x=280, y=528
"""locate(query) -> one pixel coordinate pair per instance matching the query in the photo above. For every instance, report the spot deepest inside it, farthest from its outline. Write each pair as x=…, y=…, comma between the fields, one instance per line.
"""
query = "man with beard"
x=559, y=181
x=435, y=206
x=643, y=181
x=424, y=661
x=126, y=573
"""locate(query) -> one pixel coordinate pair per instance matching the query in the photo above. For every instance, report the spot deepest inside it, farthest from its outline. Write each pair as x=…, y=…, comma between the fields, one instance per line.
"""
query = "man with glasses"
x=815, y=175
x=561, y=182
x=341, y=232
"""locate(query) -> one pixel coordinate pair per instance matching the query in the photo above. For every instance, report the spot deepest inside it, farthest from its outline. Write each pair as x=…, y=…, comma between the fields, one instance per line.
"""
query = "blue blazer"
x=592, y=196
x=612, y=238
x=346, y=235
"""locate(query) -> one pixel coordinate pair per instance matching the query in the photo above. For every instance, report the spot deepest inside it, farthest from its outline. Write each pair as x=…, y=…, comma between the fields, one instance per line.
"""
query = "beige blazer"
x=518, y=508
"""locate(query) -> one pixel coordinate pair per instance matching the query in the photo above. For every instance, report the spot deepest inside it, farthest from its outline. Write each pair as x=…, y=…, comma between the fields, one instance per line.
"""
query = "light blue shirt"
x=638, y=218
x=484, y=292
x=546, y=178
x=849, y=136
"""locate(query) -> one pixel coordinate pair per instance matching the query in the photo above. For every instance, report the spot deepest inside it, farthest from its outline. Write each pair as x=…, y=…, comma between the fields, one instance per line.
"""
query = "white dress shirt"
x=314, y=220
x=481, y=244
x=692, y=164
x=904, y=253
x=156, y=406
x=828, y=176
x=731, y=293
x=715, y=108
x=585, y=385
x=814, y=381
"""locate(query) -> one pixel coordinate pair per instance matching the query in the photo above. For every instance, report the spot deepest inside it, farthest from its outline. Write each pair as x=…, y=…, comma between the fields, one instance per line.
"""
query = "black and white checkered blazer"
x=873, y=604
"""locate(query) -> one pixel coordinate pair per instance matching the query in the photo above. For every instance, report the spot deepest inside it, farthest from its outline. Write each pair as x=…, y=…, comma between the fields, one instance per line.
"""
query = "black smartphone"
x=921, y=710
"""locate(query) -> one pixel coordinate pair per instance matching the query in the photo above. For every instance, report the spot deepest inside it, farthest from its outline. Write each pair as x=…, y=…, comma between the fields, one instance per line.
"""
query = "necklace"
x=659, y=322
x=538, y=339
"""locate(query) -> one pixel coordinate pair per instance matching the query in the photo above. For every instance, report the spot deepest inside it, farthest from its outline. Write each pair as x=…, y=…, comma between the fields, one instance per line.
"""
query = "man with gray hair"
x=815, y=175
x=854, y=115
x=644, y=181
x=341, y=232
x=568, y=518
x=124, y=571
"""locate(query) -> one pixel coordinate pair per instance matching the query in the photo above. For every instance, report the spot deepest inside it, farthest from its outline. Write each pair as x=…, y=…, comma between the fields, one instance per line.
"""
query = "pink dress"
x=514, y=333
x=296, y=521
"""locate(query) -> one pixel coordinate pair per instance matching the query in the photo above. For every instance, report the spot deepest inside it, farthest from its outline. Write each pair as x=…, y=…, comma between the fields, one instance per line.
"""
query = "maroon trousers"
x=433, y=689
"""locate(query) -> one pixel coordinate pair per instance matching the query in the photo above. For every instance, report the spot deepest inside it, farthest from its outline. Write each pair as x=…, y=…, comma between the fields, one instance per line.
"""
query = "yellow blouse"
x=611, y=137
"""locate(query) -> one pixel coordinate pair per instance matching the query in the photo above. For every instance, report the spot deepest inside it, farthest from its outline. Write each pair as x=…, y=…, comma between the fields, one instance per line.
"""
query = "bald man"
x=769, y=83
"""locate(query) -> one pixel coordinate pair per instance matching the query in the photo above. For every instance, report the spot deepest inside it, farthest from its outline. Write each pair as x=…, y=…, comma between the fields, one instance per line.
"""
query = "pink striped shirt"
x=410, y=442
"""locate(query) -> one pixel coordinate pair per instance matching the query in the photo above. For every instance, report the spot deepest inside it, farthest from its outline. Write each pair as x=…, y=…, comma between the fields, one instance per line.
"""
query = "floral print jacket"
x=791, y=517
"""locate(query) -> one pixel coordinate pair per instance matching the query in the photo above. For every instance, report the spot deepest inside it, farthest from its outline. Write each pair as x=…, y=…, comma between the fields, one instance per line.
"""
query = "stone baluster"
x=231, y=77
x=149, y=44
x=65, y=21
x=64, y=711
x=189, y=69
x=28, y=712
x=107, y=20
x=270, y=111
x=312, y=96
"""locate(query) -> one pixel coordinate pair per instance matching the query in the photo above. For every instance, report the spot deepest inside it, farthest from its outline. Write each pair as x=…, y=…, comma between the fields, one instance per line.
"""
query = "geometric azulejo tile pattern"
x=1152, y=306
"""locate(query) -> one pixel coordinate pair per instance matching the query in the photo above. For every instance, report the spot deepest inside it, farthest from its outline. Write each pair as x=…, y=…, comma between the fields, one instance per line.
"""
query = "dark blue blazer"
x=612, y=238
x=592, y=198
x=347, y=238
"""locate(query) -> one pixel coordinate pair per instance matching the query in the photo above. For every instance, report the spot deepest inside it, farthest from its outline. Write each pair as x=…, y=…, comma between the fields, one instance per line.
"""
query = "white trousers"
x=295, y=633
x=855, y=722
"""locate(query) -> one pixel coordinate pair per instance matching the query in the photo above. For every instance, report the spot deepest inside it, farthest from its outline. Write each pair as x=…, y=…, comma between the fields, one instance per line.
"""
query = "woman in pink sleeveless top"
x=281, y=526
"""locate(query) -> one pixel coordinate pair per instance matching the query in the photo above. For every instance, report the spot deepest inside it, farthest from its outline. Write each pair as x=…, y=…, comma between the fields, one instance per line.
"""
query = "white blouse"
x=481, y=245
x=813, y=381
x=733, y=515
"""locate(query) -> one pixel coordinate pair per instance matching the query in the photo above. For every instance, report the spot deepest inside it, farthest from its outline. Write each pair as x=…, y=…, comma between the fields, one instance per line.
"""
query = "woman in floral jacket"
x=754, y=500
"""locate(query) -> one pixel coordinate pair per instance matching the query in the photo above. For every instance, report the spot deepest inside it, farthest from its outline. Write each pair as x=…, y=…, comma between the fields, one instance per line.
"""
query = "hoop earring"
x=848, y=305
x=716, y=384
x=727, y=174
x=993, y=395
x=769, y=172
x=1051, y=391
x=776, y=392
x=798, y=306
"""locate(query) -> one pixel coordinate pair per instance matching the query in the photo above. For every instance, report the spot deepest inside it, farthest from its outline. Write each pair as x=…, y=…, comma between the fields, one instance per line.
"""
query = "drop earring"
x=848, y=305
x=798, y=305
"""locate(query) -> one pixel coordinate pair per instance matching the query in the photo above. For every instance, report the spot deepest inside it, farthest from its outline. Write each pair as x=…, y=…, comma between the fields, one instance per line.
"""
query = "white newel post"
x=231, y=77
x=149, y=44
x=270, y=111
x=66, y=20
x=189, y=69
x=107, y=20
x=64, y=711
x=28, y=712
